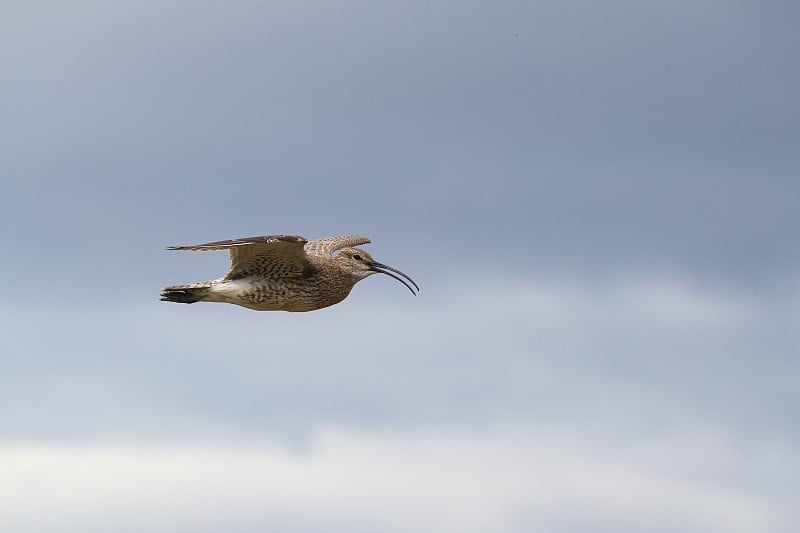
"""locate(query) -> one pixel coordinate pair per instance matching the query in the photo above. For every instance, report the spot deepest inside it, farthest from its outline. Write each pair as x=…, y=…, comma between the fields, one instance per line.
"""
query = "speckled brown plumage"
x=285, y=272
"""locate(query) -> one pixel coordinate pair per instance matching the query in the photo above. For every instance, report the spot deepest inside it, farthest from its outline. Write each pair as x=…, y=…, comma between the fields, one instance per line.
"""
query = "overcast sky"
x=599, y=201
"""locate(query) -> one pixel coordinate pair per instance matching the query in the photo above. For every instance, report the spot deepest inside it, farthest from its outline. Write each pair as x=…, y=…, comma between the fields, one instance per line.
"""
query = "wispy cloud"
x=654, y=404
x=509, y=479
x=458, y=353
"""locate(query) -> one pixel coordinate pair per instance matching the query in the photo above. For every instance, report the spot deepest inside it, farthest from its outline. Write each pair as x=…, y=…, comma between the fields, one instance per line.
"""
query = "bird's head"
x=359, y=264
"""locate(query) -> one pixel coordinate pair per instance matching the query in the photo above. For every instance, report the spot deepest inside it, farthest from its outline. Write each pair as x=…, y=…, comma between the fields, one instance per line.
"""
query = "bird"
x=285, y=273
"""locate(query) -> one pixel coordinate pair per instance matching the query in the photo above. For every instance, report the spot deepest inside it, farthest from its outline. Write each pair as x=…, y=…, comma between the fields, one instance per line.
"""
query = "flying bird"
x=285, y=273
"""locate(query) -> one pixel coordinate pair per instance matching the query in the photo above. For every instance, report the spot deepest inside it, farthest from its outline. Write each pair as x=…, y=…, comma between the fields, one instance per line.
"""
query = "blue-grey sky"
x=599, y=201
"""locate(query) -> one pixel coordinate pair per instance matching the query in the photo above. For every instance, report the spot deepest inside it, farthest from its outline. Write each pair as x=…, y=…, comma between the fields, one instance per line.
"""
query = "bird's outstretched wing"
x=272, y=256
x=325, y=247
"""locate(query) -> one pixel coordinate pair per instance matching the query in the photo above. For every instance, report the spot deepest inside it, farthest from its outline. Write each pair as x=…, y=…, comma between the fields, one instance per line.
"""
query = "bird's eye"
x=357, y=257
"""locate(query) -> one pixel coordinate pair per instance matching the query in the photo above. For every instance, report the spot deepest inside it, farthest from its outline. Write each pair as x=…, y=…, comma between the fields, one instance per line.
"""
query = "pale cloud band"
x=550, y=406
x=508, y=478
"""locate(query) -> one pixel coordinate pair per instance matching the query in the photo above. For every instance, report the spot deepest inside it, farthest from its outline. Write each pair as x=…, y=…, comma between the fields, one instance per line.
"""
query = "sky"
x=598, y=200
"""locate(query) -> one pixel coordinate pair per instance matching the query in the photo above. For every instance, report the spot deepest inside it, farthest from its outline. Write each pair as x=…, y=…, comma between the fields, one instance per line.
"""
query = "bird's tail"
x=186, y=294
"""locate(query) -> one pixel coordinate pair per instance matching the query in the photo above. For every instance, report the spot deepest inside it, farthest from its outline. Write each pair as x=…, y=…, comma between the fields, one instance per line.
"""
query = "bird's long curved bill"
x=386, y=269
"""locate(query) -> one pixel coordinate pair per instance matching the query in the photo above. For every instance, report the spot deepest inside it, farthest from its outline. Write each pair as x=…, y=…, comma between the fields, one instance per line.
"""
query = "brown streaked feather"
x=326, y=247
x=272, y=256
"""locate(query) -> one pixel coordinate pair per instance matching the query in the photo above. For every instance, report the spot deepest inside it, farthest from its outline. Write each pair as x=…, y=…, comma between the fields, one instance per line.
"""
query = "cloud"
x=458, y=354
x=388, y=480
x=645, y=404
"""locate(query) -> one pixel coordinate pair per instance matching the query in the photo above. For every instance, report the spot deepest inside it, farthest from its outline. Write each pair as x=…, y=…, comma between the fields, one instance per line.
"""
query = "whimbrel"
x=285, y=272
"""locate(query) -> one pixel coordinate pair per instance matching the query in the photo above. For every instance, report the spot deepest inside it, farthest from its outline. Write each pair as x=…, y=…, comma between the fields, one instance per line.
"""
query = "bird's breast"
x=297, y=295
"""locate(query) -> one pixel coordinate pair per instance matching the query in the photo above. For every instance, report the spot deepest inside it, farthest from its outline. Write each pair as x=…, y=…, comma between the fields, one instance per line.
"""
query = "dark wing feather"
x=270, y=256
x=225, y=245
